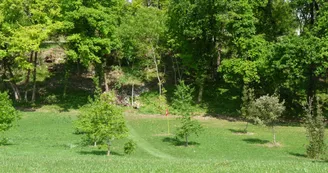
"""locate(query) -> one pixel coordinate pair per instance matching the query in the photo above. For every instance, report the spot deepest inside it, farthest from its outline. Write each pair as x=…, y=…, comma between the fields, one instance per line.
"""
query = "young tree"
x=188, y=127
x=315, y=128
x=8, y=113
x=182, y=102
x=102, y=121
x=183, y=98
x=267, y=109
x=246, y=108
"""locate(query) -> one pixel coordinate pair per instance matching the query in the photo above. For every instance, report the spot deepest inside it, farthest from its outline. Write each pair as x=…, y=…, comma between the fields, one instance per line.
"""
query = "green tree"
x=267, y=110
x=315, y=128
x=102, y=121
x=91, y=28
x=141, y=33
x=182, y=102
x=187, y=128
x=8, y=113
x=23, y=27
x=248, y=100
x=183, y=98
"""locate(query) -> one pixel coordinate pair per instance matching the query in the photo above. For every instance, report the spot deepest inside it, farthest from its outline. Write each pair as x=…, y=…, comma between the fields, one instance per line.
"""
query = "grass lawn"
x=45, y=142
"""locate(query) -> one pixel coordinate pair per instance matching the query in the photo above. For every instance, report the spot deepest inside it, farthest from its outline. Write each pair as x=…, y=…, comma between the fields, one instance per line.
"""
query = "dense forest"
x=219, y=47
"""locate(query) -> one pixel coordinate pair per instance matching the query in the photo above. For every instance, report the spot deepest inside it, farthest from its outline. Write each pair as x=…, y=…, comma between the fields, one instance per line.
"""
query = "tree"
x=188, y=127
x=183, y=102
x=141, y=33
x=247, y=105
x=315, y=128
x=102, y=121
x=24, y=26
x=8, y=113
x=183, y=98
x=91, y=29
x=267, y=110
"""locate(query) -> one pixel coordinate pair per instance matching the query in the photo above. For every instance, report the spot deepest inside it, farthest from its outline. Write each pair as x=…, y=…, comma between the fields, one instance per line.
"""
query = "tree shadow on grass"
x=99, y=153
x=237, y=131
x=177, y=142
x=297, y=154
x=255, y=141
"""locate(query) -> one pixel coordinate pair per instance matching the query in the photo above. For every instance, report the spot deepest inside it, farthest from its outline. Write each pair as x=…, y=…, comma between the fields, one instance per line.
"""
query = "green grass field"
x=44, y=141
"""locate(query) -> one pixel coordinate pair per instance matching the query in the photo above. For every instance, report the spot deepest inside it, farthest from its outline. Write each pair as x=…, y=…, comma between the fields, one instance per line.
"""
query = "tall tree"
x=92, y=32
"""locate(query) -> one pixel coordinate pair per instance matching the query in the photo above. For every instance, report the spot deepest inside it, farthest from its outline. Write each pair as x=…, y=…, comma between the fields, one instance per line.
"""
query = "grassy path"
x=146, y=146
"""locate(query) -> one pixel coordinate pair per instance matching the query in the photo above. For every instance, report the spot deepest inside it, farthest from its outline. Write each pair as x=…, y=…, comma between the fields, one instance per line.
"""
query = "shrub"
x=315, y=128
x=130, y=147
x=51, y=99
x=8, y=113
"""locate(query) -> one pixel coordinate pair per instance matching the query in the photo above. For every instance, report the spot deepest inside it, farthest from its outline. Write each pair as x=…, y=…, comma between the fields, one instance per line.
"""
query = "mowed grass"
x=45, y=142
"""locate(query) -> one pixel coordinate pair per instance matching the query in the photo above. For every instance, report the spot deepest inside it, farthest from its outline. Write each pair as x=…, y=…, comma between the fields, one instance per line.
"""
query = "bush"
x=130, y=147
x=51, y=99
x=315, y=128
x=8, y=113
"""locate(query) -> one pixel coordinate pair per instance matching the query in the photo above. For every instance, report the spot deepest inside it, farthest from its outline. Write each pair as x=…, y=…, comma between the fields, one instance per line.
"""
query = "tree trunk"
x=312, y=81
x=186, y=137
x=95, y=144
x=218, y=61
x=65, y=81
x=200, y=93
x=178, y=69
x=246, y=127
x=174, y=71
x=108, y=149
x=34, y=77
x=105, y=81
x=274, y=135
x=27, y=80
x=13, y=84
x=132, y=95
x=16, y=91
x=157, y=72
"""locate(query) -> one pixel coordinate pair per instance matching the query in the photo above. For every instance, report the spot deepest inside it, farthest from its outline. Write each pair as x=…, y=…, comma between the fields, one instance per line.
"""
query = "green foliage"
x=130, y=147
x=182, y=103
x=314, y=123
x=248, y=100
x=187, y=128
x=183, y=99
x=267, y=109
x=51, y=99
x=8, y=114
x=102, y=121
x=97, y=91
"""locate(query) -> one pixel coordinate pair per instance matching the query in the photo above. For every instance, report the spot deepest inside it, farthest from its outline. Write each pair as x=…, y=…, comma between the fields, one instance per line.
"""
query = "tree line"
x=273, y=46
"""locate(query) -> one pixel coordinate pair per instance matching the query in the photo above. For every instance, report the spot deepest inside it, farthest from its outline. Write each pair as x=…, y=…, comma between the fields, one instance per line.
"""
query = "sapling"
x=267, y=109
x=315, y=128
x=182, y=102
